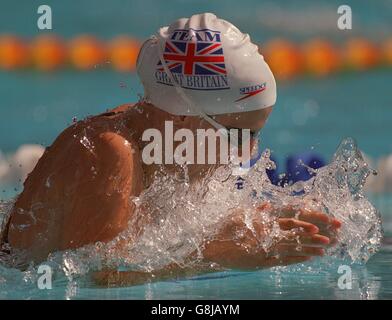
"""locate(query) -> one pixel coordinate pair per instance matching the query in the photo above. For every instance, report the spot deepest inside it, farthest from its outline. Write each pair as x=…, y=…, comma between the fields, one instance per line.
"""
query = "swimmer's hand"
x=307, y=234
x=239, y=245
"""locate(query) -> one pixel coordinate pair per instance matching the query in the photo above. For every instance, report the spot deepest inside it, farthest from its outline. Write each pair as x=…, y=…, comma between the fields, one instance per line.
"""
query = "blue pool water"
x=310, y=115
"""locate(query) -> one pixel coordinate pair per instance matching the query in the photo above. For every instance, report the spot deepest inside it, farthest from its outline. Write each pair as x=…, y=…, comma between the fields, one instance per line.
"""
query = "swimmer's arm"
x=80, y=201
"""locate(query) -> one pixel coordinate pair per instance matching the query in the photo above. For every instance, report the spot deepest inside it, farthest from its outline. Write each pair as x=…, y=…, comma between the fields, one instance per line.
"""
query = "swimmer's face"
x=252, y=120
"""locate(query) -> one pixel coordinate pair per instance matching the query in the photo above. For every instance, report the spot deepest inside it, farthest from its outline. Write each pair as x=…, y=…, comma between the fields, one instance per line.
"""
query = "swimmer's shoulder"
x=100, y=122
x=92, y=129
x=117, y=111
x=89, y=129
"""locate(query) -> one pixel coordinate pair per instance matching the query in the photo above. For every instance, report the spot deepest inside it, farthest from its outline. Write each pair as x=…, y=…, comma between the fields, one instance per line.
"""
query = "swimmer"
x=199, y=73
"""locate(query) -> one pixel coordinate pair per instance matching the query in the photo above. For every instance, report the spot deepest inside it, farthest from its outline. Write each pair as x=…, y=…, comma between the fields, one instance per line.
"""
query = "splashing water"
x=174, y=217
x=5, y=211
x=339, y=189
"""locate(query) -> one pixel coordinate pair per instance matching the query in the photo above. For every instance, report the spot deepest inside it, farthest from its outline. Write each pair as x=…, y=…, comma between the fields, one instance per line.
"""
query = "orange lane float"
x=123, y=52
x=361, y=54
x=48, y=53
x=86, y=52
x=321, y=58
x=387, y=51
x=14, y=53
x=287, y=59
x=283, y=57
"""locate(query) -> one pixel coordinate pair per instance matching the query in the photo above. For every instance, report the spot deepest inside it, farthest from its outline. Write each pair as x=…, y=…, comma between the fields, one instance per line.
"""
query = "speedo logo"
x=250, y=91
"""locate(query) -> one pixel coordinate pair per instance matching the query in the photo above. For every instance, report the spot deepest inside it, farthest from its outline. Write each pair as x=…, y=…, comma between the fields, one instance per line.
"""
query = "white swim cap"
x=204, y=66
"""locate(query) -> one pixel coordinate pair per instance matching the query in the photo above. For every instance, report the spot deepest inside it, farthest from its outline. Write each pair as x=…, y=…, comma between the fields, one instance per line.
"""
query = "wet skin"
x=79, y=193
